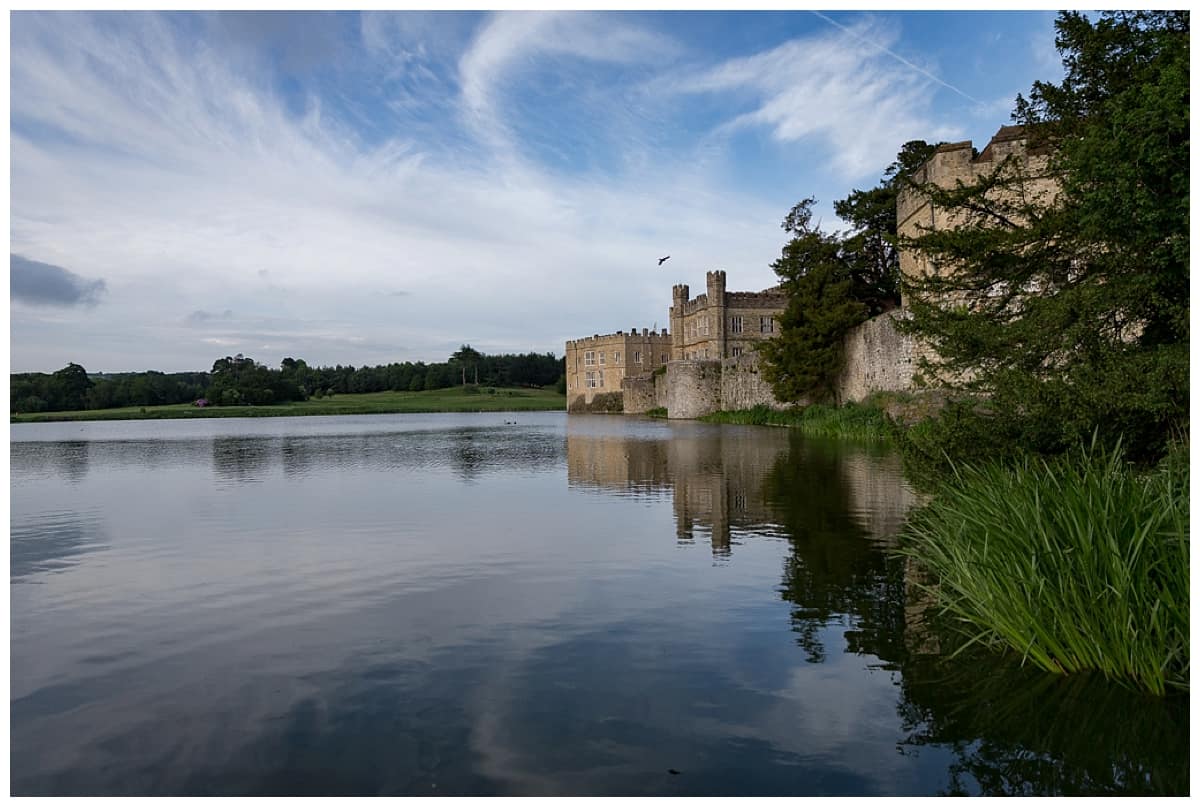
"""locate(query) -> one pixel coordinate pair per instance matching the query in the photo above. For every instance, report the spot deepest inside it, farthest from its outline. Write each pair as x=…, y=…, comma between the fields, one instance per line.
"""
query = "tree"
x=870, y=250
x=68, y=388
x=804, y=360
x=835, y=281
x=1068, y=315
x=467, y=356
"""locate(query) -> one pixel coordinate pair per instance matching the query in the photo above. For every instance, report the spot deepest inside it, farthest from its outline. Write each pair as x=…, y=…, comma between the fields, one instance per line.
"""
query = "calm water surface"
x=461, y=604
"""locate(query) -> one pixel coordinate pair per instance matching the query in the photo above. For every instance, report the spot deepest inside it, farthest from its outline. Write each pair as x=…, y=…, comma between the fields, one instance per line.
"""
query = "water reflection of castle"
x=726, y=482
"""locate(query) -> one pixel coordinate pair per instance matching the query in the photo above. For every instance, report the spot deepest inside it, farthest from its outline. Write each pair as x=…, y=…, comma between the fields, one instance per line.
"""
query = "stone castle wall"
x=639, y=393
x=878, y=358
x=954, y=163
x=693, y=388
x=743, y=386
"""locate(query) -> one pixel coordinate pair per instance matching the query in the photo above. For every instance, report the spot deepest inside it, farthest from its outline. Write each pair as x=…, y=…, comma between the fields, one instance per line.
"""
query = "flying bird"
x=660, y=260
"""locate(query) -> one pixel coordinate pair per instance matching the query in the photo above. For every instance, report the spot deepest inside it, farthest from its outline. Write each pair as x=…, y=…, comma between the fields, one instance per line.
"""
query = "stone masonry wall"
x=693, y=388
x=639, y=394
x=877, y=358
x=743, y=386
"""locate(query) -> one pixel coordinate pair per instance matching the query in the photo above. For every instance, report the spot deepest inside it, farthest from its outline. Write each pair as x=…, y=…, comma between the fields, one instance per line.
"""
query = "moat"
x=515, y=604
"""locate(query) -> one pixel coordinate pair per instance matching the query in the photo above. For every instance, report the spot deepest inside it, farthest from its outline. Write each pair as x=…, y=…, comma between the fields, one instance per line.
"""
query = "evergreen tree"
x=835, y=281
x=1068, y=314
x=804, y=360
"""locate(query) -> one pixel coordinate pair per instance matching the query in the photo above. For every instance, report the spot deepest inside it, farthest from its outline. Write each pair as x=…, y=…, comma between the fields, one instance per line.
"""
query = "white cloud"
x=842, y=89
x=512, y=44
x=181, y=179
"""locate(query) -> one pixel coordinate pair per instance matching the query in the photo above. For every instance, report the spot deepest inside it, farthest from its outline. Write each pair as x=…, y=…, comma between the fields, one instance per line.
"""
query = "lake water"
x=518, y=604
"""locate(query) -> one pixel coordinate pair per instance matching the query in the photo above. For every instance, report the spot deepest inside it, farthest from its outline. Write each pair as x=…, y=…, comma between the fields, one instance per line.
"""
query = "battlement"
x=633, y=333
x=700, y=303
x=714, y=282
x=767, y=298
x=774, y=297
x=951, y=160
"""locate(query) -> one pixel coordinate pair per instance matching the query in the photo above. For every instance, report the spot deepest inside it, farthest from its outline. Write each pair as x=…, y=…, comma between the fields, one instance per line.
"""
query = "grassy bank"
x=1076, y=563
x=454, y=399
x=864, y=421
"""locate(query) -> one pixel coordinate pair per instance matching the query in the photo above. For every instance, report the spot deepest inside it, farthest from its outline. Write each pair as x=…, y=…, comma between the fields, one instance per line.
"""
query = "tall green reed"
x=1077, y=563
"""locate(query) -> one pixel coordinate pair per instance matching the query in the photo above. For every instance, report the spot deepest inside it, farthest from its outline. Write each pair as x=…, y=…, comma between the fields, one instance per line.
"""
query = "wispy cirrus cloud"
x=516, y=175
x=185, y=180
x=511, y=45
x=842, y=88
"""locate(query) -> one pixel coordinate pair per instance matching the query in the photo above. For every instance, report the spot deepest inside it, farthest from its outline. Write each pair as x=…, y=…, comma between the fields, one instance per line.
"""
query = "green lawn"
x=455, y=399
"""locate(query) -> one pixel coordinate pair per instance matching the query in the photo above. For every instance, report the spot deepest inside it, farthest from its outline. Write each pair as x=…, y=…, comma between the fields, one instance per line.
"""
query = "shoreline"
x=369, y=403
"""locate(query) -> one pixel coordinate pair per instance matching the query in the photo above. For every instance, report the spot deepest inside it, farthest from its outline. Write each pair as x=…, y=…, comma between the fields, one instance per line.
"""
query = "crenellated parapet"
x=597, y=338
x=757, y=299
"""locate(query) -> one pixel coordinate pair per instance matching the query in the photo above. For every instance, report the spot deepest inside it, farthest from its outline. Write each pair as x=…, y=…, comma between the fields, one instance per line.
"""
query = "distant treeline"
x=239, y=379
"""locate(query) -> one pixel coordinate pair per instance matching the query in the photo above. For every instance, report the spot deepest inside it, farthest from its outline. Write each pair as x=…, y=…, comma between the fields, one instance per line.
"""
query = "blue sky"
x=365, y=188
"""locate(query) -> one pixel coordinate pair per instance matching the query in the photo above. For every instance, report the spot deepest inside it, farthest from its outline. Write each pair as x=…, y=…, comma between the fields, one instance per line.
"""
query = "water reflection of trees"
x=837, y=572
x=241, y=459
x=1013, y=731
x=66, y=458
x=1020, y=732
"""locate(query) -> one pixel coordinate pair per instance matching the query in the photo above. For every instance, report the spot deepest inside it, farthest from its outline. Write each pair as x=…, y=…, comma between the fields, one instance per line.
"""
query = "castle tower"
x=679, y=297
x=715, y=281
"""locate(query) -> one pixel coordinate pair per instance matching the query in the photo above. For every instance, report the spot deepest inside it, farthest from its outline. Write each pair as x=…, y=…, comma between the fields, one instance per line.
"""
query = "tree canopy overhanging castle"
x=724, y=331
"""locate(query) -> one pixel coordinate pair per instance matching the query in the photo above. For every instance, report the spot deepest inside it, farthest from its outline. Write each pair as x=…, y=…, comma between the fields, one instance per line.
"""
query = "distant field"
x=455, y=399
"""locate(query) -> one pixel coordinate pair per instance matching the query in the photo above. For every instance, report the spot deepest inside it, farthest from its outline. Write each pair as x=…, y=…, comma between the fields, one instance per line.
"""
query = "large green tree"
x=834, y=281
x=804, y=360
x=1064, y=316
x=467, y=356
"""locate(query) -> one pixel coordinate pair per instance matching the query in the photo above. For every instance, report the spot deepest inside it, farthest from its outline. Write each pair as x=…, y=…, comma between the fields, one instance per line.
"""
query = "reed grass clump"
x=851, y=420
x=1077, y=563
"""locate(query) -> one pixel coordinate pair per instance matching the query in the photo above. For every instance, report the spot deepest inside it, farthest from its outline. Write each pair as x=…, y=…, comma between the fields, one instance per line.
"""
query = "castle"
x=714, y=329
x=706, y=362
x=721, y=324
x=599, y=364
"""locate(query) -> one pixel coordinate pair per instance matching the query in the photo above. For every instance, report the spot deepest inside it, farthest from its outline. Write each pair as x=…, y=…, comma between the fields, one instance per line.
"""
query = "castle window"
x=704, y=325
x=735, y=324
x=589, y=358
x=637, y=357
x=589, y=379
x=766, y=324
x=617, y=357
x=601, y=358
x=737, y=351
x=664, y=358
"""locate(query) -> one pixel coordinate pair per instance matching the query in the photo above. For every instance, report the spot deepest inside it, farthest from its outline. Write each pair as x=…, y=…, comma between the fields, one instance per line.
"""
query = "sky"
x=365, y=188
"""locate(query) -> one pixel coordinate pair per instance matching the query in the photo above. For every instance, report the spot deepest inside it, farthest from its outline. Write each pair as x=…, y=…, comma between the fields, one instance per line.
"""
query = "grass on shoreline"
x=454, y=399
x=858, y=421
x=1076, y=563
